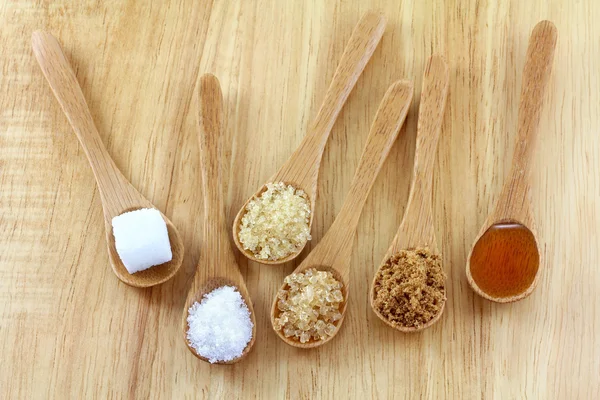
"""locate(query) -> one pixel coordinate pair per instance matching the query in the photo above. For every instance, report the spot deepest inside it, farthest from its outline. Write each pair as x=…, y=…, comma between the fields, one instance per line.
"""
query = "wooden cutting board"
x=70, y=329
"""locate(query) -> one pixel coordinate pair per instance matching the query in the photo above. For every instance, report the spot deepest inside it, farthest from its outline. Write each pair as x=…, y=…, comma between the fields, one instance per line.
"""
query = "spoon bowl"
x=198, y=294
x=117, y=194
x=151, y=276
x=504, y=264
x=417, y=229
x=301, y=170
x=335, y=248
x=238, y=221
x=217, y=266
x=314, y=343
x=405, y=329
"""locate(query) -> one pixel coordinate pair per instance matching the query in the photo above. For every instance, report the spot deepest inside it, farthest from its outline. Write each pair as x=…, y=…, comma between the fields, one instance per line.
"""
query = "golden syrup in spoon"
x=505, y=260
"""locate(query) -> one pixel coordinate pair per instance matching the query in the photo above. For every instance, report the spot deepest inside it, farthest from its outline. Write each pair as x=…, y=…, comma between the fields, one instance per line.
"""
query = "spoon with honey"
x=217, y=266
x=504, y=263
x=116, y=192
x=417, y=232
x=333, y=252
x=301, y=170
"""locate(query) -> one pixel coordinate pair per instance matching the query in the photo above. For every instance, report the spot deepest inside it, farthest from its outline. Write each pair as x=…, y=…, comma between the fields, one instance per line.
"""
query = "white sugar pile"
x=141, y=239
x=219, y=327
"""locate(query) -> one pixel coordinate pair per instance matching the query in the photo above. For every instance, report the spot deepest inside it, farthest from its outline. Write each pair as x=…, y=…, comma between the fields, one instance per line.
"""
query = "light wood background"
x=70, y=329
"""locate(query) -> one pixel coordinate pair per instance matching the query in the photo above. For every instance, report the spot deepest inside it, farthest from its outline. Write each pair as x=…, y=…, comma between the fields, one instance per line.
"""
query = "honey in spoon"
x=505, y=260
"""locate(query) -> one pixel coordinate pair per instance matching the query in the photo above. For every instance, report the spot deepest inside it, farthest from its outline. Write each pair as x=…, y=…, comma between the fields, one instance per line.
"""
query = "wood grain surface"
x=70, y=329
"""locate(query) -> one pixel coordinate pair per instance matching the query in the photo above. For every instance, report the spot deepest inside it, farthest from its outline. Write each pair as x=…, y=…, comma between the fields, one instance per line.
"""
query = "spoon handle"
x=302, y=167
x=536, y=75
x=334, y=248
x=210, y=139
x=417, y=227
x=116, y=192
x=216, y=259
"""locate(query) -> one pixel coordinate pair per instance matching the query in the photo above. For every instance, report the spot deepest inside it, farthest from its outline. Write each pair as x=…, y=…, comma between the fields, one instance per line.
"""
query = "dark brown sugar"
x=409, y=289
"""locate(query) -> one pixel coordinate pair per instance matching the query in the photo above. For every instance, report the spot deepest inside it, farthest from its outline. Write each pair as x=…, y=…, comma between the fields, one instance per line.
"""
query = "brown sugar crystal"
x=409, y=289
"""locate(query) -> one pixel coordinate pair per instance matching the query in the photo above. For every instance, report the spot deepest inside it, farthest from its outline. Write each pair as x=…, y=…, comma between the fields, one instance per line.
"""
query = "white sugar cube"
x=141, y=239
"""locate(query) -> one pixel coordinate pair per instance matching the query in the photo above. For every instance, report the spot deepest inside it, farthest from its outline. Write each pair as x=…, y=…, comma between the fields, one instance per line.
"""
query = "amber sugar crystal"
x=309, y=305
x=276, y=223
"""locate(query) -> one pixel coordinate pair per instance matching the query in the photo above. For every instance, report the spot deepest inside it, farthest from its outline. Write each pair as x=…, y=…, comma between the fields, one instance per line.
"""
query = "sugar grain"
x=276, y=223
x=220, y=327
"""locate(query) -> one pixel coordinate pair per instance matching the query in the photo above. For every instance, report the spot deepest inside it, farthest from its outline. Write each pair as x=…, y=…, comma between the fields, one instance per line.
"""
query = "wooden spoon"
x=334, y=250
x=302, y=169
x=217, y=266
x=117, y=194
x=504, y=263
x=417, y=229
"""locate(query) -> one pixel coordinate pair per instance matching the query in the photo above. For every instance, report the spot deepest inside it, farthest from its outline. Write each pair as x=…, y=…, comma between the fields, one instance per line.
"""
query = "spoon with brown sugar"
x=504, y=263
x=117, y=194
x=273, y=236
x=310, y=306
x=413, y=254
x=217, y=266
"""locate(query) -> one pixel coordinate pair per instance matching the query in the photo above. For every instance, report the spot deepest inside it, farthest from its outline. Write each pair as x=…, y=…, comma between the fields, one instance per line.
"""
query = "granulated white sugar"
x=141, y=239
x=220, y=327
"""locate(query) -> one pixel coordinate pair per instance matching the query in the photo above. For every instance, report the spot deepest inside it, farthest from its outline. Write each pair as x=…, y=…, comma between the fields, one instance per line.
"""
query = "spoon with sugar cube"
x=144, y=247
x=416, y=233
x=503, y=265
x=262, y=230
x=317, y=291
x=216, y=331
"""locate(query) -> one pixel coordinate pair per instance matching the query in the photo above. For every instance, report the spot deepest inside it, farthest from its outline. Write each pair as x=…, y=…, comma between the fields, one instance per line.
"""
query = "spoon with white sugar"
x=117, y=194
x=333, y=252
x=301, y=170
x=217, y=266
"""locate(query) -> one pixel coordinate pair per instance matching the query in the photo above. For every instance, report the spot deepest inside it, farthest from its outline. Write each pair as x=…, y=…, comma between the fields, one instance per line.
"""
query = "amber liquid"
x=505, y=260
